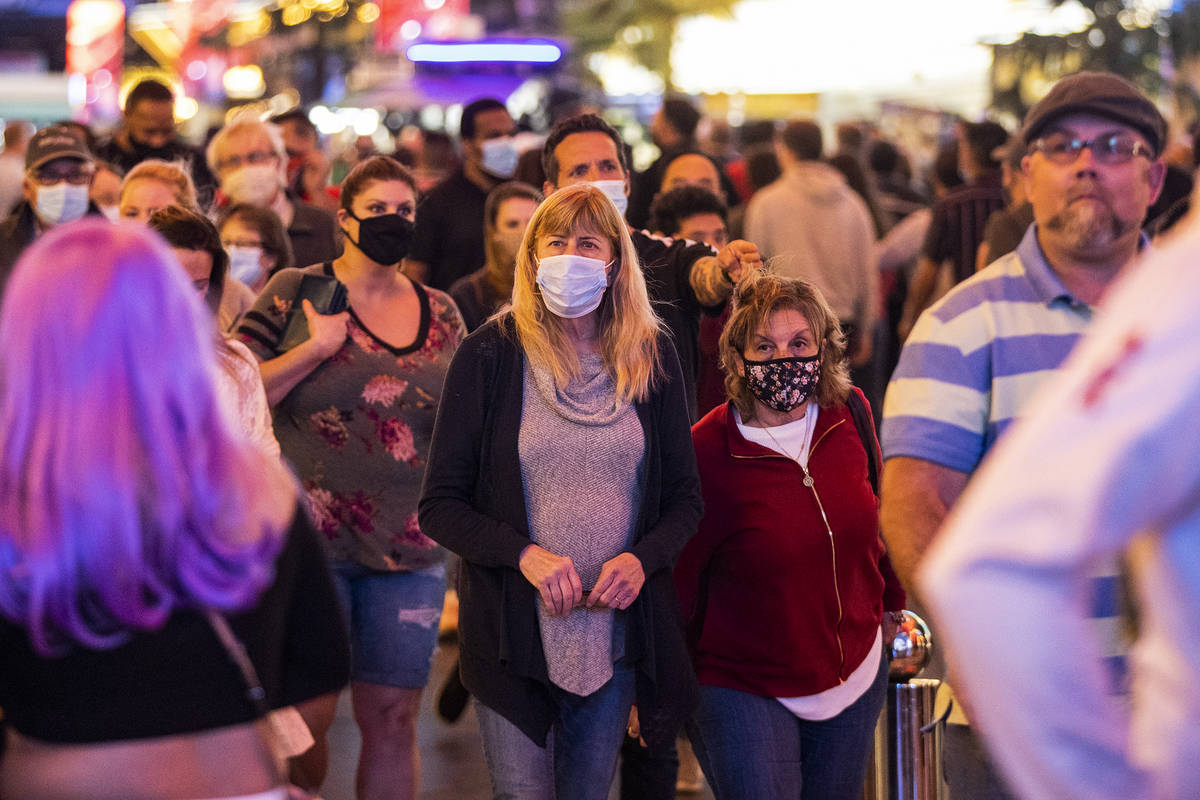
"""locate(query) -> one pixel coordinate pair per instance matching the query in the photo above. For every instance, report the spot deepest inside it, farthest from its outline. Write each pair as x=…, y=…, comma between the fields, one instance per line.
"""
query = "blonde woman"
x=562, y=471
x=154, y=185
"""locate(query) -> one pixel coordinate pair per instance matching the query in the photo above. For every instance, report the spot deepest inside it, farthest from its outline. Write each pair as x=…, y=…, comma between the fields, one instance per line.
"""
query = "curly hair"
x=670, y=209
x=755, y=299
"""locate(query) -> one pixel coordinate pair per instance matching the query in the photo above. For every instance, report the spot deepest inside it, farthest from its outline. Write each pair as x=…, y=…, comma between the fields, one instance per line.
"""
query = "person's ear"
x=1156, y=175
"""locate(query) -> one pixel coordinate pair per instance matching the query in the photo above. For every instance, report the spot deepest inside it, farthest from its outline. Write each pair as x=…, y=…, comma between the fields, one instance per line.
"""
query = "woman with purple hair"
x=160, y=592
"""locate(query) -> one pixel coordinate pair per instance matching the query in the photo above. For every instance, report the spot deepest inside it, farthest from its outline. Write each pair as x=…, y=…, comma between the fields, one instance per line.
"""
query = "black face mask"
x=384, y=239
x=144, y=151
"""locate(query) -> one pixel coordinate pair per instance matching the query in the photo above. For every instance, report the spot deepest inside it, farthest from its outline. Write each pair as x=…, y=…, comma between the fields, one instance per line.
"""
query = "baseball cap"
x=55, y=141
x=1104, y=95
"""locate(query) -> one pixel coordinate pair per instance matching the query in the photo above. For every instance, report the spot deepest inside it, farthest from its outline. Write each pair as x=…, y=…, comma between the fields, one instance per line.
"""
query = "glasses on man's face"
x=1116, y=148
x=77, y=177
x=253, y=157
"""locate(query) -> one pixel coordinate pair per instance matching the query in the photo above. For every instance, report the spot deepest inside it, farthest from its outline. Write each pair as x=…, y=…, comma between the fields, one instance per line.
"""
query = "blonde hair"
x=629, y=328
x=170, y=174
x=755, y=299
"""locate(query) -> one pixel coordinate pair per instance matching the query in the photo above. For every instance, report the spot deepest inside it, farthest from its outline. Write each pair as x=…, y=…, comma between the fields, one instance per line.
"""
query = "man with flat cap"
x=58, y=174
x=974, y=359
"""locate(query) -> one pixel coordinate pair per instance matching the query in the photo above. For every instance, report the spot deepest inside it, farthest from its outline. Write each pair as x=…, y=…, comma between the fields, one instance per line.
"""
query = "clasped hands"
x=557, y=582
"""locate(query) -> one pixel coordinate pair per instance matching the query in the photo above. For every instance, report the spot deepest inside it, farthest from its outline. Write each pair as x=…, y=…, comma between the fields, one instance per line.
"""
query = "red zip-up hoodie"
x=775, y=606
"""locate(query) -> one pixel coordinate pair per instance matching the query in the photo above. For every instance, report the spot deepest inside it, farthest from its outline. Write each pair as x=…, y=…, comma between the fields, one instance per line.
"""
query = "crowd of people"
x=633, y=421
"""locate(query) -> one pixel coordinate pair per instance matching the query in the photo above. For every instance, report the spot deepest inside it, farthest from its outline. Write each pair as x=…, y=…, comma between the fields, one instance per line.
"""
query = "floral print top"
x=357, y=429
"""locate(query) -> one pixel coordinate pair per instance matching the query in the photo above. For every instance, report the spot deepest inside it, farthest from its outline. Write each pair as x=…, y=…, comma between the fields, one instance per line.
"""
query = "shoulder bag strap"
x=866, y=433
x=238, y=655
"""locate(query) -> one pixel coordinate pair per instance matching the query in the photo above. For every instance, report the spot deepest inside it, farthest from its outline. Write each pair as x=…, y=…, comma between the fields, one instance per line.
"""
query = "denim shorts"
x=393, y=619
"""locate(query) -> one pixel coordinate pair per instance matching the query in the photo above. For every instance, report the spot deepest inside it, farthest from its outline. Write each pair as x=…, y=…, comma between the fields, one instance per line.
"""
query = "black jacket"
x=17, y=233
x=474, y=503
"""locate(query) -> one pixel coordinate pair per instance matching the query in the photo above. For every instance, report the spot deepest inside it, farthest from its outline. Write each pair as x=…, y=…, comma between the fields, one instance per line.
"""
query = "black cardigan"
x=473, y=502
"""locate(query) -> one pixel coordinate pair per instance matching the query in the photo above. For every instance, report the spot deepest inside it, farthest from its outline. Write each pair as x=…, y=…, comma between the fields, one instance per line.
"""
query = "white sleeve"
x=1107, y=451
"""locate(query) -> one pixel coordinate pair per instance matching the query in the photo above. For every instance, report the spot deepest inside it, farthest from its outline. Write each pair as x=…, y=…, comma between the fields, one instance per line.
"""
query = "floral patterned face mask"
x=783, y=383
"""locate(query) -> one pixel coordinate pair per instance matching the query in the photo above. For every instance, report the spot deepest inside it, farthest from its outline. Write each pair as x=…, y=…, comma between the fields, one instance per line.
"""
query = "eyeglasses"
x=240, y=243
x=1117, y=148
x=253, y=157
x=75, y=178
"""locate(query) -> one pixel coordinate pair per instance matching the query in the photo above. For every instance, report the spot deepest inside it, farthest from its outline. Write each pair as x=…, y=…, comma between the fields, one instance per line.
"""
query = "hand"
x=739, y=258
x=890, y=626
x=326, y=332
x=634, y=726
x=554, y=577
x=619, y=584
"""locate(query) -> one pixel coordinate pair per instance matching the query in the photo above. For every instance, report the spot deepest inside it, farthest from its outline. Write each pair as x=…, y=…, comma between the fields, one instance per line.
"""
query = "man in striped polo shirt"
x=976, y=357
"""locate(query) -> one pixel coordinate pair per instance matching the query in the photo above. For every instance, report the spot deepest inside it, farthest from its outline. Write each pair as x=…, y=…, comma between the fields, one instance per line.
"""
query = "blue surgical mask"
x=245, y=263
x=615, y=191
x=62, y=202
x=572, y=286
x=500, y=156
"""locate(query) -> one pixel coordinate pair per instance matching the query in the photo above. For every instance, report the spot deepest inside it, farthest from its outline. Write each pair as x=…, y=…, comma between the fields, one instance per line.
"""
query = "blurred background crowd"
x=354, y=187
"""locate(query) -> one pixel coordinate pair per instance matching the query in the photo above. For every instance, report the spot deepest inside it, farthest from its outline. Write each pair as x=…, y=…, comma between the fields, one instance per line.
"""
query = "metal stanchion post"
x=906, y=762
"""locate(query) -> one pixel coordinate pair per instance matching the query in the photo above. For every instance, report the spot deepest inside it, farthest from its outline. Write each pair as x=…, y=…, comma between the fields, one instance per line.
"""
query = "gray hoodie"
x=810, y=224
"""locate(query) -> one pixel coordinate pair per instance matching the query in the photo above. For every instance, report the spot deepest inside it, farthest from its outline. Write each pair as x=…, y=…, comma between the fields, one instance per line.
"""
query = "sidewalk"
x=452, y=765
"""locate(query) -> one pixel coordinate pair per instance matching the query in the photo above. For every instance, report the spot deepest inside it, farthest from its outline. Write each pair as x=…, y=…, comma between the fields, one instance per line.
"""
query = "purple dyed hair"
x=124, y=492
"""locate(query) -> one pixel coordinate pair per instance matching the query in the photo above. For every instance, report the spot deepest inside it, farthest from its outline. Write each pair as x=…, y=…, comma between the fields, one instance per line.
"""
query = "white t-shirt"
x=794, y=440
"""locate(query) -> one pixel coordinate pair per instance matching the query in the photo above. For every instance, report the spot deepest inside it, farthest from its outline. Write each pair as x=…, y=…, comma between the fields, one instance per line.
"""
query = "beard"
x=1088, y=225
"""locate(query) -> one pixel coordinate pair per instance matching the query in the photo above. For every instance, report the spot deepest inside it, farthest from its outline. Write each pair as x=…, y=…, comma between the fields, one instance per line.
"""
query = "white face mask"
x=256, y=184
x=112, y=212
x=615, y=191
x=572, y=286
x=62, y=202
x=500, y=156
x=245, y=263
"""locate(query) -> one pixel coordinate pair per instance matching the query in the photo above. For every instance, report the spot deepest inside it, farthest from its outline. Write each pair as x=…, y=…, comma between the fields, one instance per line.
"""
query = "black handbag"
x=328, y=296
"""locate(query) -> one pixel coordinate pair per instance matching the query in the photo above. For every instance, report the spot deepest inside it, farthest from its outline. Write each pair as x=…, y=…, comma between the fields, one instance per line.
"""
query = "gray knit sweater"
x=581, y=457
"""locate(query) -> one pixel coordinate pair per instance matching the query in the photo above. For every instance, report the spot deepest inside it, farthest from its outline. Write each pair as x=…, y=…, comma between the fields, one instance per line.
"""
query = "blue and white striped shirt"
x=977, y=356
x=972, y=363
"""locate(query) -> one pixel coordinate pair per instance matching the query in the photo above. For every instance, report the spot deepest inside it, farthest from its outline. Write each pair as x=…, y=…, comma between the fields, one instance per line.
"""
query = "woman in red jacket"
x=783, y=587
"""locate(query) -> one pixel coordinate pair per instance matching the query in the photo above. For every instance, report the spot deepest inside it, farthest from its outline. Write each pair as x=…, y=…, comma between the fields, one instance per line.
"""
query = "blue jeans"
x=580, y=756
x=752, y=746
x=393, y=621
